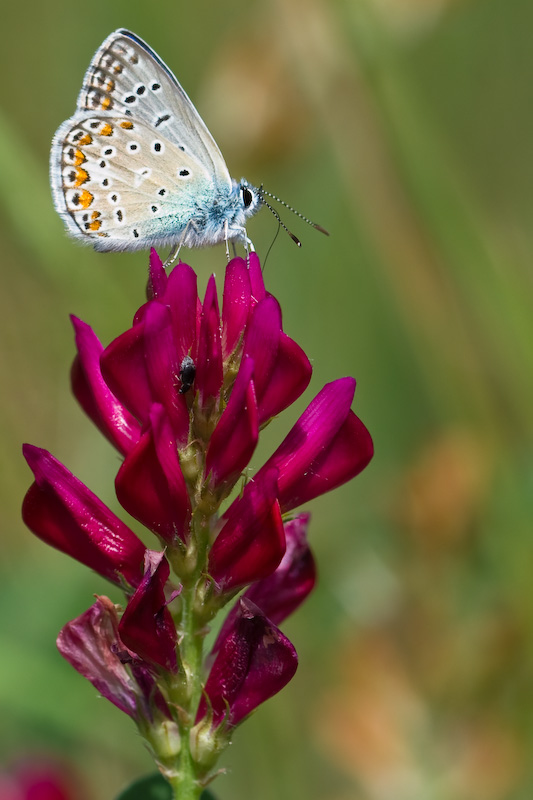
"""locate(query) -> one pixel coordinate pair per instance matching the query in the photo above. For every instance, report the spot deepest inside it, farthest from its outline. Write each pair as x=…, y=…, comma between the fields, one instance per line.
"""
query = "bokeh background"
x=405, y=127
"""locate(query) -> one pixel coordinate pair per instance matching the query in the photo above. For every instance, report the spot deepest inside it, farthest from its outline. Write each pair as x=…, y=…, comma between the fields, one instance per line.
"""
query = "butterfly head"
x=250, y=197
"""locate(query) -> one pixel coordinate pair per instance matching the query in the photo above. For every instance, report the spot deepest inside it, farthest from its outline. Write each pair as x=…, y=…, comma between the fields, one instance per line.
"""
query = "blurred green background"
x=405, y=127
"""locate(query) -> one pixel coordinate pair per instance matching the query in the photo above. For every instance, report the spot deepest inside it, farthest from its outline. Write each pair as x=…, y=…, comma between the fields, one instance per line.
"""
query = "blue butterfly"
x=136, y=166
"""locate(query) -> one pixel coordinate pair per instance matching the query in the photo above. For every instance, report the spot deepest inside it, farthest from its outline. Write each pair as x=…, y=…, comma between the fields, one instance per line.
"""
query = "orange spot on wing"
x=81, y=177
x=96, y=223
x=85, y=139
x=106, y=103
x=86, y=199
x=126, y=124
x=79, y=158
x=106, y=129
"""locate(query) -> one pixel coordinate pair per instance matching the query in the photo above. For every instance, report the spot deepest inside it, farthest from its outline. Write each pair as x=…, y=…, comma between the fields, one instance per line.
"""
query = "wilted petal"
x=284, y=590
x=62, y=511
x=94, y=395
x=235, y=437
x=91, y=643
x=209, y=360
x=252, y=542
x=327, y=446
x=146, y=626
x=150, y=484
x=236, y=305
x=254, y=662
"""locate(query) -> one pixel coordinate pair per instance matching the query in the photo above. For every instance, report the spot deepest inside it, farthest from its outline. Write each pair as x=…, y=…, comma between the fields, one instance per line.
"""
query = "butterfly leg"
x=174, y=252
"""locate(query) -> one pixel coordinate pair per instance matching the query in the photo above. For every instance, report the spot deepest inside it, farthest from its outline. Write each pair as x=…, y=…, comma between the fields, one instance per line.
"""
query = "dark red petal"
x=235, y=437
x=150, y=484
x=251, y=542
x=280, y=594
x=94, y=395
x=91, y=643
x=236, y=304
x=146, y=626
x=62, y=511
x=209, y=360
x=254, y=662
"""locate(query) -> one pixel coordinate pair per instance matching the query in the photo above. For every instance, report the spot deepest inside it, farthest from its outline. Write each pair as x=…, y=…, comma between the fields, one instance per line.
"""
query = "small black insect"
x=187, y=374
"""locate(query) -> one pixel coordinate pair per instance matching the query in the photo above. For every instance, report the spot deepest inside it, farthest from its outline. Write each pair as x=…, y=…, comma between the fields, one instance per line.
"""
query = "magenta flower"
x=254, y=661
x=183, y=395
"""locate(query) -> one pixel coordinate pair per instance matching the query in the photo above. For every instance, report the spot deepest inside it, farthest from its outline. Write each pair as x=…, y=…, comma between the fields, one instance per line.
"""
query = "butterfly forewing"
x=126, y=77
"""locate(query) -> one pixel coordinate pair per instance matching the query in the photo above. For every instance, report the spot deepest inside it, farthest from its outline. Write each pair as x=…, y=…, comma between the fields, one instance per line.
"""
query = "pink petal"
x=236, y=305
x=279, y=594
x=182, y=298
x=262, y=342
x=94, y=395
x=62, y=511
x=163, y=368
x=124, y=369
x=235, y=437
x=305, y=469
x=252, y=541
x=256, y=278
x=157, y=277
x=209, y=360
x=150, y=484
x=255, y=661
x=289, y=378
x=146, y=626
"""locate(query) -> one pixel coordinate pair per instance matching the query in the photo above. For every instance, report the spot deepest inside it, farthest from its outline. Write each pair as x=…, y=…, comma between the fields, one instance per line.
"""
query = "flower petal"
x=91, y=644
x=150, y=484
x=289, y=378
x=62, y=511
x=254, y=662
x=235, y=437
x=94, y=395
x=236, y=304
x=209, y=373
x=157, y=276
x=182, y=298
x=279, y=594
x=252, y=541
x=124, y=369
x=146, y=626
x=256, y=278
x=314, y=457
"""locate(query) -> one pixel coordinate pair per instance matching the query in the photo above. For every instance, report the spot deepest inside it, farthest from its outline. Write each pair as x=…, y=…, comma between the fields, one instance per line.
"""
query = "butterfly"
x=136, y=166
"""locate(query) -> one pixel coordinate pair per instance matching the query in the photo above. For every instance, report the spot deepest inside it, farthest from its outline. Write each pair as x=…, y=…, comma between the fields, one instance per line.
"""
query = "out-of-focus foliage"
x=405, y=128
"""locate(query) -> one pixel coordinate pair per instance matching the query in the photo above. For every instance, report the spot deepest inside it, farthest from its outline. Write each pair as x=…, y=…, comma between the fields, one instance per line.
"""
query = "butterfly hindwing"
x=121, y=185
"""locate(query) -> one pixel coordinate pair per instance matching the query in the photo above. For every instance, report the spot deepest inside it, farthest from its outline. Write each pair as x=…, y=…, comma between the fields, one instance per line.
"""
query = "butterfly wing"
x=120, y=186
x=127, y=77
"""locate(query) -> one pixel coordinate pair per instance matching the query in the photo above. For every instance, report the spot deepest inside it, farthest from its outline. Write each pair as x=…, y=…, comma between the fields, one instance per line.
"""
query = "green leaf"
x=154, y=787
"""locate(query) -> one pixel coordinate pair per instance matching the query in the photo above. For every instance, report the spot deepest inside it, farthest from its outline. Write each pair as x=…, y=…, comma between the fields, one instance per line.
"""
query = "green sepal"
x=154, y=787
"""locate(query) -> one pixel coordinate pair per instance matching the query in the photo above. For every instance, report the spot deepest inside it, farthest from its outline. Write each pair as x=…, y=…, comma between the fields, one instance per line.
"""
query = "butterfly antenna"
x=277, y=216
x=283, y=203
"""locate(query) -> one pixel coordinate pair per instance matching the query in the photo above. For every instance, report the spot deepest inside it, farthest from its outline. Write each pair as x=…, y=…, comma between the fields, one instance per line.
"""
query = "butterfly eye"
x=247, y=197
